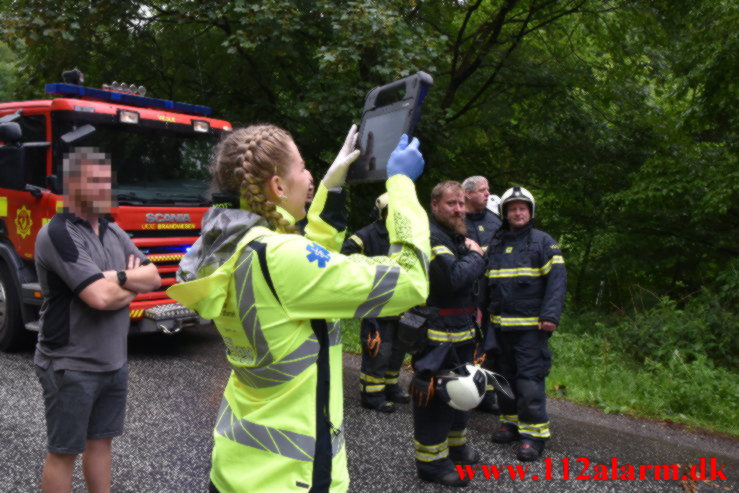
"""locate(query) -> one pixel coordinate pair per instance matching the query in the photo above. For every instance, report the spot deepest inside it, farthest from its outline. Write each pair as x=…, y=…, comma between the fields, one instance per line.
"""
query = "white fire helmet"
x=462, y=388
x=517, y=193
x=493, y=204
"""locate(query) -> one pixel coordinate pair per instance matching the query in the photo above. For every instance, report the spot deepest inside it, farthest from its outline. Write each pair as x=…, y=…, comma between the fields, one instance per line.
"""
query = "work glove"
x=336, y=174
x=406, y=159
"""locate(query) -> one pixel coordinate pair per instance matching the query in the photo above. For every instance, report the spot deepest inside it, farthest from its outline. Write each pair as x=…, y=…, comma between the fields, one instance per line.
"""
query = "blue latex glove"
x=406, y=159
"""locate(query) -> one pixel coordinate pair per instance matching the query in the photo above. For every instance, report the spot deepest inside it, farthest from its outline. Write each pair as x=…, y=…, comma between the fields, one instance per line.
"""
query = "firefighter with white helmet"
x=524, y=298
x=382, y=354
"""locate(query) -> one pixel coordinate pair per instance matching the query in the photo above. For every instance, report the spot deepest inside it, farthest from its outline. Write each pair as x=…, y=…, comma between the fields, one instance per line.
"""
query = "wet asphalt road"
x=175, y=390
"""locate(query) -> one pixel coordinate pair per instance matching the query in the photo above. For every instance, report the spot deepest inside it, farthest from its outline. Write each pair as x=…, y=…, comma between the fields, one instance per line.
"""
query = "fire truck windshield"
x=152, y=164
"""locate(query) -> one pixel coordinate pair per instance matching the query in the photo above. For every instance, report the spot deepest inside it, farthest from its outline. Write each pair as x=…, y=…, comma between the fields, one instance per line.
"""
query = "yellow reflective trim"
x=514, y=321
x=526, y=271
x=371, y=388
x=509, y=418
x=430, y=448
x=519, y=272
x=3, y=206
x=369, y=378
x=45, y=220
x=457, y=442
x=356, y=239
x=391, y=380
x=60, y=206
x=443, y=336
x=556, y=259
x=440, y=250
x=420, y=456
x=540, y=430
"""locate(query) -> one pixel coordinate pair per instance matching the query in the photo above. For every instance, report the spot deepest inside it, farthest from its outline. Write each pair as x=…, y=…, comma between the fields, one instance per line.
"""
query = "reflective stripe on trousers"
x=286, y=443
x=430, y=453
x=536, y=430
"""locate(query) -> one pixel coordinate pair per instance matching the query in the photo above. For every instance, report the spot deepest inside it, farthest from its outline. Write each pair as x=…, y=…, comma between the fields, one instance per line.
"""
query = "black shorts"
x=82, y=406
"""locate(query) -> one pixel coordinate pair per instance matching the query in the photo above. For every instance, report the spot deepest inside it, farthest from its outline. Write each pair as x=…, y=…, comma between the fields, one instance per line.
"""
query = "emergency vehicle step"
x=168, y=312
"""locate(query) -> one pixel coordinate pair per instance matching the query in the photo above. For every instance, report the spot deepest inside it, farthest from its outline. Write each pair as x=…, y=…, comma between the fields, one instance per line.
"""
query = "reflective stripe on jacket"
x=278, y=420
x=526, y=279
x=452, y=274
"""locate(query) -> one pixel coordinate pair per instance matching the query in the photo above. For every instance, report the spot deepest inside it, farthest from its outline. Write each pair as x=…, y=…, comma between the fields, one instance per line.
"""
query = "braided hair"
x=245, y=160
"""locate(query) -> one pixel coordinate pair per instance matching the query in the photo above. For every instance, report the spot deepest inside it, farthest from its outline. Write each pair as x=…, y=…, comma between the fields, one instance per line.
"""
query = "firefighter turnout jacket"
x=280, y=425
x=526, y=279
x=371, y=240
x=481, y=226
x=452, y=273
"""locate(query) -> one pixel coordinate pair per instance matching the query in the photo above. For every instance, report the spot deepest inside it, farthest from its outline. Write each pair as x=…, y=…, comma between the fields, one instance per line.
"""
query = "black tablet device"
x=389, y=112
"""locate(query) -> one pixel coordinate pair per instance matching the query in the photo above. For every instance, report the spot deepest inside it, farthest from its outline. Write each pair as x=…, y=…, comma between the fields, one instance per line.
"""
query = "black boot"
x=376, y=401
x=442, y=472
x=489, y=403
x=506, y=433
x=530, y=449
x=464, y=454
x=396, y=394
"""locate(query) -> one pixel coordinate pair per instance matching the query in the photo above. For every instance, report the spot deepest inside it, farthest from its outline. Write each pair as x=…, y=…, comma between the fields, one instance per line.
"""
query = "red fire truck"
x=159, y=151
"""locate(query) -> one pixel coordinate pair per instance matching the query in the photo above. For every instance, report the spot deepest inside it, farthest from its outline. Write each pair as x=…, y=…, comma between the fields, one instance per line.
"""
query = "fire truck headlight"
x=126, y=116
x=200, y=126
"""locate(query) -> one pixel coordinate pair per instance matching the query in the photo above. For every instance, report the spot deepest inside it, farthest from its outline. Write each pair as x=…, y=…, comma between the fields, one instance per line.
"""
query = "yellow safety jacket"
x=280, y=425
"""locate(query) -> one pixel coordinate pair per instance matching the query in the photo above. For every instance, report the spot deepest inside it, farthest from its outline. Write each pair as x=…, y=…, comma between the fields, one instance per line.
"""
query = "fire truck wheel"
x=13, y=335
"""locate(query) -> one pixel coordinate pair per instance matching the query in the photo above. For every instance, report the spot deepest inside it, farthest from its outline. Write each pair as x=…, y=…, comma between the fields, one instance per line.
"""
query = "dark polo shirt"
x=70, y=257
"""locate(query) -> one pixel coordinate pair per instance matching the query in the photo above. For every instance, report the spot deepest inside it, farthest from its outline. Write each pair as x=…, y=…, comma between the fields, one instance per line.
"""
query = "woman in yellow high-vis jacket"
x=275, y=296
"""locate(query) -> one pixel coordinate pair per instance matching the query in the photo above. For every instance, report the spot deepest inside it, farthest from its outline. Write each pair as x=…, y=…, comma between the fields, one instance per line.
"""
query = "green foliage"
x=592, y=370
x=620, y=116
x=7, y=72
x=703, y=326
x=350, y=335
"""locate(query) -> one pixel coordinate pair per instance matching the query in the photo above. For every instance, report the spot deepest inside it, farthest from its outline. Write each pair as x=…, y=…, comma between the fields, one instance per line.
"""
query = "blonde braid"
x=243, y=163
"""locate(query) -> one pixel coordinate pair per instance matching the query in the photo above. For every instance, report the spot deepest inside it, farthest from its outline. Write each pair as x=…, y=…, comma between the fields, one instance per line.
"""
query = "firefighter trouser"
x=382, y=357
x=437, y=427
x=524, y=360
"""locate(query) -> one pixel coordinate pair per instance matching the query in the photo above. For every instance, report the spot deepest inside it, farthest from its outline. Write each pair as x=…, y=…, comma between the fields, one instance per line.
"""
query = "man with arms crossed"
x=89, y=271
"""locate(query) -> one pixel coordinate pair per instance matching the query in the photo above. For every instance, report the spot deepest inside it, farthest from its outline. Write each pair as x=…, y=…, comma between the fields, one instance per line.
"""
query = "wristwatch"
x=122, y=277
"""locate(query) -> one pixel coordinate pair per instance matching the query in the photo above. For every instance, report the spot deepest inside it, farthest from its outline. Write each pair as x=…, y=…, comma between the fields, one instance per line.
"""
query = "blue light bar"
x=62, y=89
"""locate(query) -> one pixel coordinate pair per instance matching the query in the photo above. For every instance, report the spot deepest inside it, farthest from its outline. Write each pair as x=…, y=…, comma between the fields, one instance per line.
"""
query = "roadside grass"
x=592, y=369
x=350, y=335
x=587, y=369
